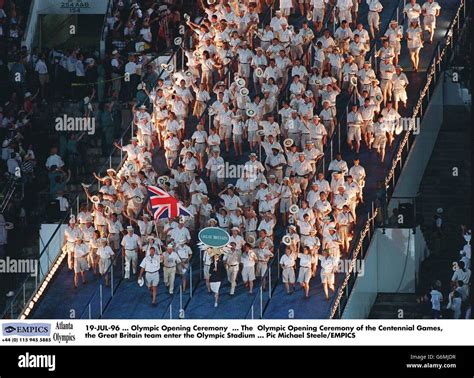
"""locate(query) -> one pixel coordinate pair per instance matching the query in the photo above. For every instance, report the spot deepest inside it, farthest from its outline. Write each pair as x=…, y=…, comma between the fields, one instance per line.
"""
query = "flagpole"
x=159, y=237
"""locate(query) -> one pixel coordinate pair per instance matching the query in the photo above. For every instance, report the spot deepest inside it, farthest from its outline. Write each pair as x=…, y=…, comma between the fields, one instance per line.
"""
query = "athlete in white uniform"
x=305, y=270
x=287, y=263
x=430, y=10
x=150, y=265
x=105, y=254
x=328, y=270
x=130, y=244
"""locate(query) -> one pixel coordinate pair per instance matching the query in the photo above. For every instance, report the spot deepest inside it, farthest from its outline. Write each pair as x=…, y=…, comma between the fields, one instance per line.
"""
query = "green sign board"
x=214, y=237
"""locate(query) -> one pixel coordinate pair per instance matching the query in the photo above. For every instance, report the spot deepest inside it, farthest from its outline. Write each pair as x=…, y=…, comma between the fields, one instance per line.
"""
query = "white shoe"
x=215, y=304
x=10, y=294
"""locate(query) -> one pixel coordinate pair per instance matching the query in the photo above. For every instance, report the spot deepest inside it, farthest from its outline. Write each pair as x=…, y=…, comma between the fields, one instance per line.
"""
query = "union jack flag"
x=164, y=205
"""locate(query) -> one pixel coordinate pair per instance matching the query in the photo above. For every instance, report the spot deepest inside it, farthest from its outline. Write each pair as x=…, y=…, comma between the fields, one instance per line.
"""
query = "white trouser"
x=169, y=274
x=130, y=257
x=232, y=276
x=70, y=255
x=373, y=20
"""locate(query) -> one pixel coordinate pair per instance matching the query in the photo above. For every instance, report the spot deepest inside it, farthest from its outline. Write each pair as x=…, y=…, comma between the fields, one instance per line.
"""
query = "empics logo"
x=66, y=123
x=26, y=329
x=47, y=361
x=8, y=330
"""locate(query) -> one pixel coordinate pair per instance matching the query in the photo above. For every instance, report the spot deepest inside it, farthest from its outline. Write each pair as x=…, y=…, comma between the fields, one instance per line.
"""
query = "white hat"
x=6, y=142
x=28, y=94
x=129, y=228
x=235, y=229
x=86, y=100
x=114, y=52
x=439, y=210
x=170, y=245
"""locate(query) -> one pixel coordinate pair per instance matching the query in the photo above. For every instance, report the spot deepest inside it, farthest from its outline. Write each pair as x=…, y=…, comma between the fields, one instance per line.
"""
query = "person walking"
x=216, y=274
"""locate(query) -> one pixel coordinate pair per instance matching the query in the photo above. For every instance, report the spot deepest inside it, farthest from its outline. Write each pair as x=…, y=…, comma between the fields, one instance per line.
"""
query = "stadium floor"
x=132, y=301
